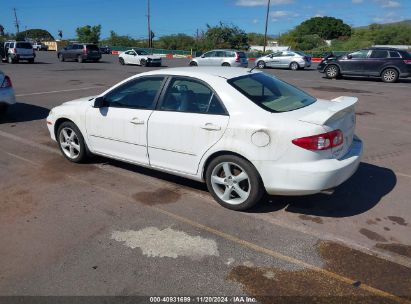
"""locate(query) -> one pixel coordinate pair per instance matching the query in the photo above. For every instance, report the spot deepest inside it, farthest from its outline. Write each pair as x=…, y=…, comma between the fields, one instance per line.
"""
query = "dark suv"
x=80, y=52
x=387, y=63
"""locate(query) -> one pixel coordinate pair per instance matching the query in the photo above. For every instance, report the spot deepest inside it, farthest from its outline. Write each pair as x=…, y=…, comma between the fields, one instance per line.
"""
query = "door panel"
x=178, y=140
x=189, y=120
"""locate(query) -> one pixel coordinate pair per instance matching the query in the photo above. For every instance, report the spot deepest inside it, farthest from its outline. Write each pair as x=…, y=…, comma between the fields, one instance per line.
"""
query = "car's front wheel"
x=332, y=71
x=80, y=59
x=121, y=60
x=3, y=108
x=261, y=64
x=71, y=142
x=234, y=182
x=143, y=62
x=10, y=59
x=61, y=57
x=390, y=75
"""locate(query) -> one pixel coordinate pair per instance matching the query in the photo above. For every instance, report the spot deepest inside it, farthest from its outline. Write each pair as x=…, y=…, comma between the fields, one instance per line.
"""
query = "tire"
x=80, y=59
x=226, y=64
x=193, y=63
x=3, y=108
x=61, y=58
x=332, y=71
x=10, y=60
x=294, y=66
x=261, y=64
x=31, y=60
x=223, y=187
x=390, y=75
x=143, y=62
x=96, y=60
x=121, y=60
x=73, y=147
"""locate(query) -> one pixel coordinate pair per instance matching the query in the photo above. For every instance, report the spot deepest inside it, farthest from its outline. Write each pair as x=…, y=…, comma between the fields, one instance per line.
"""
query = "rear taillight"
x=407, y=61
x=6, y=82
x=321, y=141
x=14, y=51
x=85, y=51
x=237, y=57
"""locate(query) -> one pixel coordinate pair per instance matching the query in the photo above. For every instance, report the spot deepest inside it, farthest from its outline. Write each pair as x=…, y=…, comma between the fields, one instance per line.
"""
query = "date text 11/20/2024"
x=203, y=299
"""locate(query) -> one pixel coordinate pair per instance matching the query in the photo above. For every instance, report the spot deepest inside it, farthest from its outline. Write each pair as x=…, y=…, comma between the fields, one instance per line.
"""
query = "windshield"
x=24, y=45
x=270, y=93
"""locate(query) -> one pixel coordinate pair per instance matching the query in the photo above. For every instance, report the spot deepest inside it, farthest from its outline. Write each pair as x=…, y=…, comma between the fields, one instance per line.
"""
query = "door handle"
x=137, y=121
x=211, y=127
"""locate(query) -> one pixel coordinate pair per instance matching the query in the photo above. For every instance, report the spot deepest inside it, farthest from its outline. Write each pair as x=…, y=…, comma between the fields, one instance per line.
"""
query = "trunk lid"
x=339, y=113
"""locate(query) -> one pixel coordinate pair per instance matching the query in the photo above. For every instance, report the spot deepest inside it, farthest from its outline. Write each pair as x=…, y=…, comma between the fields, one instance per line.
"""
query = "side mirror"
x=349, y=56
x=99, y=102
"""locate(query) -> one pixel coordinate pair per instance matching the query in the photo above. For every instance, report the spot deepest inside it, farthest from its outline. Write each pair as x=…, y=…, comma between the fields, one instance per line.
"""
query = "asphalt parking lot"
x=108, y=228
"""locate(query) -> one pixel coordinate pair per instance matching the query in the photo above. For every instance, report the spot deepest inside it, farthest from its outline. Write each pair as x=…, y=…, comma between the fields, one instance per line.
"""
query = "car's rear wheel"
x=10, y=60
x=261, y=64
x=226, y=64
x=390, y=75
x=61, y=58
x=143, y=62
x=71, y=142
x=31, y=60
x=121, y=60
x=332, y=71
x=3, y=108
x=234, y=182
x=294, y=66
x=80, y=59
x=96, y=60
x=193, y=63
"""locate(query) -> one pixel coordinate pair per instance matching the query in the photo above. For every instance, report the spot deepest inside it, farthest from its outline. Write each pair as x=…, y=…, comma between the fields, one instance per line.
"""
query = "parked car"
x=15, y=51
x=388, y=63
x=105, y=50
x=80, y=52
x=40, y=46
x=139, y=57
x=284, y=59
x=7, y=97
x=242, y=132
x=227, y=58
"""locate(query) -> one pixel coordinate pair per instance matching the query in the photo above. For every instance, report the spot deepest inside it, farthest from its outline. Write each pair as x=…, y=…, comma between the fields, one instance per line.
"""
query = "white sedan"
x=7, y=97
x=243, y=133
x=139, y=57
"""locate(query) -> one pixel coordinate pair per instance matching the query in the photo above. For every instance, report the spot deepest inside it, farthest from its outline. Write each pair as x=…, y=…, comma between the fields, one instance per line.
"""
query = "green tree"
x=224, y=36
x=36, y=34
x=88, y=33
x=255, y=39
x=176, y=42
x=325, y=27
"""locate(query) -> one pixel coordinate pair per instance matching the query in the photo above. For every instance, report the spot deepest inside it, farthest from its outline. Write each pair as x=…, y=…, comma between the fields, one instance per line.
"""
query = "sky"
x=128, y=17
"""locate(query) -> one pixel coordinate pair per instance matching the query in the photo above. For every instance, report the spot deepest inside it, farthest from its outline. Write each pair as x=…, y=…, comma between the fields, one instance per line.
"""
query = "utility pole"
x=148, y=24
x=266, y=25
x=16, y=22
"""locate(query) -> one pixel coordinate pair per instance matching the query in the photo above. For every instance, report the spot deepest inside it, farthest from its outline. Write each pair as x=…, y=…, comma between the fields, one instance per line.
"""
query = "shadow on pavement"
x=360, y=193
x=21, y=112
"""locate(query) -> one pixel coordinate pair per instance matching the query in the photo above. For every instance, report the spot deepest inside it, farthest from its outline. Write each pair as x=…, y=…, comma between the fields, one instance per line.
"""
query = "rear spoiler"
x=338, y=105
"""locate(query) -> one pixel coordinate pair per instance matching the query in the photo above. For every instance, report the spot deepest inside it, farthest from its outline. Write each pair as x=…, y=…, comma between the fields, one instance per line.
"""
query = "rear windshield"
x=270, y=93
x=242, y=55
x=92, y=47
x=24, y=45
x=406, y=55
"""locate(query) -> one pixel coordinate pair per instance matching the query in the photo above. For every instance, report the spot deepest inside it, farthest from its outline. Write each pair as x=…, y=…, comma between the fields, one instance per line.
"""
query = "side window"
x=229, y=54
x=129, y=52
x=379, y=54
x=187, y=95
x=220, y=54
x=209, y=54
x=360, y=54
x=69, y=47
x=136, y=94
x=394, y=54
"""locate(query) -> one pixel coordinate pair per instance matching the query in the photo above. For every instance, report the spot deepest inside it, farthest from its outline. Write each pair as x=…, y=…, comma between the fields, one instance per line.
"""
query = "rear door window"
x=379, y=54
x=24, y=45
x=242, y=55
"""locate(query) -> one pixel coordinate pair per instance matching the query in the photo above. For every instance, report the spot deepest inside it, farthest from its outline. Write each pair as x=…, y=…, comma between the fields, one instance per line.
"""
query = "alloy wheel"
x=230, y=183
x=389, y=75
x=69, y=143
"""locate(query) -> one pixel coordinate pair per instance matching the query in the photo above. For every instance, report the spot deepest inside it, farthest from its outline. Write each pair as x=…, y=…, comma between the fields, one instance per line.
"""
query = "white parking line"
x=59, y=91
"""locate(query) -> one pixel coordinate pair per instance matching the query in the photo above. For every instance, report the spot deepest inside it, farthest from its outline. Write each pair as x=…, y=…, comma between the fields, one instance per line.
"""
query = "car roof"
x=204, y=72
x=383, y=49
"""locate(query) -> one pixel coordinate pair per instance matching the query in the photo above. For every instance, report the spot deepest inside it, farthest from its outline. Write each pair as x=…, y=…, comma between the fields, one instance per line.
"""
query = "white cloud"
x=276, y=15
x=388, y=18
x=357, y=1
x=388, y=3
x=255, y=21
x=261, y=2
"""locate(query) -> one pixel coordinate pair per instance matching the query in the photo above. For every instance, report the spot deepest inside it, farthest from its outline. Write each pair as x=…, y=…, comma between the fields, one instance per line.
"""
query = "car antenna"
x=252, y=69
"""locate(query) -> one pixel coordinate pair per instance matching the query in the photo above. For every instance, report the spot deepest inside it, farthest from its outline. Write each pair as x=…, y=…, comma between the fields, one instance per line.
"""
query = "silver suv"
x=227, y=58
x=14, y=51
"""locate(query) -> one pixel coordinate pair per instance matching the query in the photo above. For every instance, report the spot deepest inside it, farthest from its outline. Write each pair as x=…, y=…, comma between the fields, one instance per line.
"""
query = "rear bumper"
x=22, y=57
x=7, y=96
x=240, y=64
x=310, y=177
